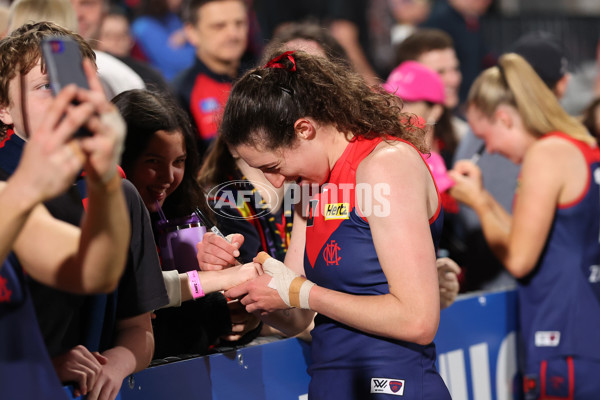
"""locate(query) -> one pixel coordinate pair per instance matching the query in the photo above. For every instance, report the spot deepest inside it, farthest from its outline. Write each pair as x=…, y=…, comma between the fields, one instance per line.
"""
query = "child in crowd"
x=94, y=341
x=86, y=260
x=161, y=161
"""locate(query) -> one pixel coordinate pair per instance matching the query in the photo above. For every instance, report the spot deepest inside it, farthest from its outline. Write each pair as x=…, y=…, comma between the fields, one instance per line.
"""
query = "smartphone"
x=64, y=66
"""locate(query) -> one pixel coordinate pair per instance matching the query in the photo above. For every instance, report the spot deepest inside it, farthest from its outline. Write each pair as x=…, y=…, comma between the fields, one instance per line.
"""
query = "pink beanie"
x=412, y=82
x=439, y=171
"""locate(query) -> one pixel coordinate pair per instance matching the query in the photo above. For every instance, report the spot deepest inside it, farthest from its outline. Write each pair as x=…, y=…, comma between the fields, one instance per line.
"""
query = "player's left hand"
x=257, y=296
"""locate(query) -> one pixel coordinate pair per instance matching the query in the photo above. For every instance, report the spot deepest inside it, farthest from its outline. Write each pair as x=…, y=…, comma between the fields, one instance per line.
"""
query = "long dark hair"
x=266, y=102
x=146, y=112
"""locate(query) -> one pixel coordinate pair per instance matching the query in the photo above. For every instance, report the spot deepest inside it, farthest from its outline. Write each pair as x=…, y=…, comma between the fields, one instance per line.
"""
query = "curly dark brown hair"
x=266, y=102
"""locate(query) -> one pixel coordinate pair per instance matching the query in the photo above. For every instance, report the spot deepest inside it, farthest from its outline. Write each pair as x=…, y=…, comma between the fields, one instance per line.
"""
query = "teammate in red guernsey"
x=551, y=243
x=369, y=249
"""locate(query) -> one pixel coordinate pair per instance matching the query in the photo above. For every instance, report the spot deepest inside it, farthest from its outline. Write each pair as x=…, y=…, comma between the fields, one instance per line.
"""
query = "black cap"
x=544, y=53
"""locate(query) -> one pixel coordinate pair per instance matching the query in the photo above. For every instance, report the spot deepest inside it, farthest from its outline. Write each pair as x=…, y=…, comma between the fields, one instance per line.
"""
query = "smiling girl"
x=161, y=161
x=372, y=276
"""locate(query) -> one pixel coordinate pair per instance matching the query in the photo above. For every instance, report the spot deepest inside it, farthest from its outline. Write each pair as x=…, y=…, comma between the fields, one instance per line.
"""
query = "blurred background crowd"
x=427, y=52
x=165, y=45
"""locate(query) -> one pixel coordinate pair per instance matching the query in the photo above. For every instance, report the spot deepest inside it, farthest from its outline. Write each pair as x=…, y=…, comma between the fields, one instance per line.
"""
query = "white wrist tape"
x=293, y=289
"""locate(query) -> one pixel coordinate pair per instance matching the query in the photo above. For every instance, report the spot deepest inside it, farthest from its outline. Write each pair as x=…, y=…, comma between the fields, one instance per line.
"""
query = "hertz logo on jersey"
x=336, y=211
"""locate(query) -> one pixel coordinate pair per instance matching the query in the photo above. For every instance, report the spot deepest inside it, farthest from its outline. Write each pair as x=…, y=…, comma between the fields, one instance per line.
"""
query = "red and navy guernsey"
x=340, y=255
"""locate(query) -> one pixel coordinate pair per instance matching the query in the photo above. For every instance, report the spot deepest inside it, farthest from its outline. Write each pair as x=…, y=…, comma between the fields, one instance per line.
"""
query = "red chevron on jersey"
x=342, y=256
x=338, y=194
x=319, y=234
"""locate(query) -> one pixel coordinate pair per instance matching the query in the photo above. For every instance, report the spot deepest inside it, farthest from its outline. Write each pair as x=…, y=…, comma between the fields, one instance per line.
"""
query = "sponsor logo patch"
x=387, y=386
x=336, y=211
x=547, y=338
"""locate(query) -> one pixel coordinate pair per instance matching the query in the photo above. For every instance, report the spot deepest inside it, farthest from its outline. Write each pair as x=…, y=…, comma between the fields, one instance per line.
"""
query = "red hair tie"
x=276, y=62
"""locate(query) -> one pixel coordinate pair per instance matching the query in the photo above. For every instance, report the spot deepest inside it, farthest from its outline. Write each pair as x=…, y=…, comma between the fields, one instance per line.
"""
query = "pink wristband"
x=195, y=286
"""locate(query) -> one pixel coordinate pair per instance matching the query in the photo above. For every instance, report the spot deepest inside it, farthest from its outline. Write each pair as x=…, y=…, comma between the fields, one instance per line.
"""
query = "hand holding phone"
x=64, y=66
x=104, y=144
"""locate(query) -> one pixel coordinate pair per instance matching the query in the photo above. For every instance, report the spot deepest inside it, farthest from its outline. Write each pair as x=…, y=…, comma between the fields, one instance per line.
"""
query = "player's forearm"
x=290, y=322
x=384, y=315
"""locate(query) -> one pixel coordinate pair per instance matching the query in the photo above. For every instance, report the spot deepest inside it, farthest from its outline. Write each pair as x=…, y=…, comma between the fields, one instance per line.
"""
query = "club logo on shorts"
x=387, y=386
x=336, y=211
